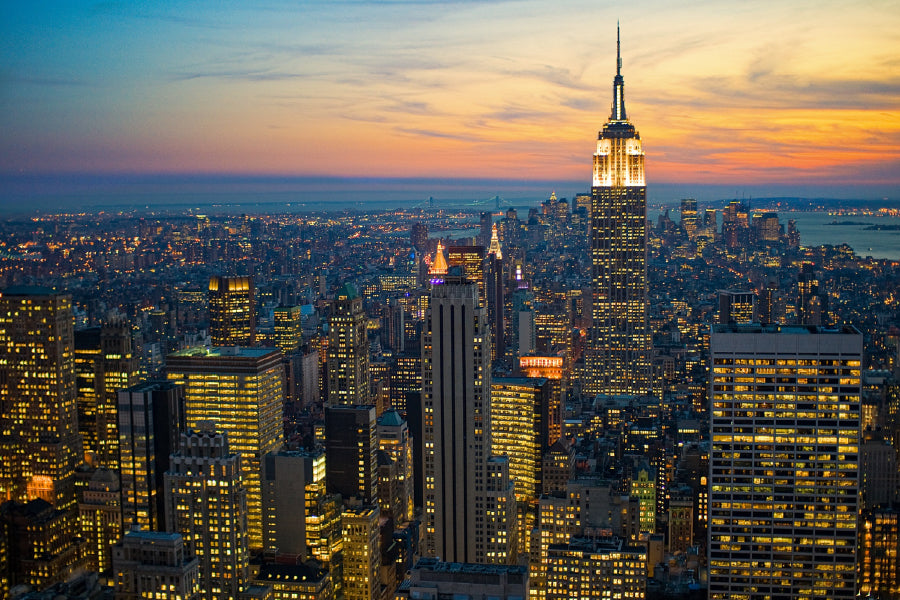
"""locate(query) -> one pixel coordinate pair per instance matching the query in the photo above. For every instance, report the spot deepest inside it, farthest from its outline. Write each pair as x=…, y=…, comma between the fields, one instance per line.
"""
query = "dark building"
x=351, y=449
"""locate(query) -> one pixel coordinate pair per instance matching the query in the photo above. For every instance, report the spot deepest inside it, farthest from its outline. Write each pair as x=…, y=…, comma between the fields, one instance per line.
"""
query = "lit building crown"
x=494, y=248
x=439, y=266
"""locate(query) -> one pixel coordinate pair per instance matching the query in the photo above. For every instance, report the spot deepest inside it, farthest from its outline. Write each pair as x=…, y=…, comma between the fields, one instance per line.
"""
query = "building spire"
x=618, y=106
x=618, y=51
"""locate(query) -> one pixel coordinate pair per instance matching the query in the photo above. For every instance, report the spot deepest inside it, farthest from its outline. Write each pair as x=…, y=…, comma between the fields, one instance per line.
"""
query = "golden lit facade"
x=232, y=311
x=784, y=462
x=643, y=487
x=288, y=328
x=100, y=518
x=878, y=568
x=241, y=391
x=207, y=504
x=348, y=350
x=39, y=441
x=362, y=555
x=618, y=359
x=602, y=568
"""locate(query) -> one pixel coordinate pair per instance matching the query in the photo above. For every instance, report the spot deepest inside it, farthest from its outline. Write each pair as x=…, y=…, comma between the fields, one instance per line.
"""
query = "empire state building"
x=618, y=359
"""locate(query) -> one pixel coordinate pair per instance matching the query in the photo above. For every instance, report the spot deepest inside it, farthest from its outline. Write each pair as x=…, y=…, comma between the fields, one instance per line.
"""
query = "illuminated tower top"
x=495, y=243
x=619, y=159
x=439, y=266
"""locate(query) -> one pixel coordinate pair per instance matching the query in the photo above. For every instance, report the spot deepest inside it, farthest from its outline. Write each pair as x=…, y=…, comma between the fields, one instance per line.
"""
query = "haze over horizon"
x=767, y=99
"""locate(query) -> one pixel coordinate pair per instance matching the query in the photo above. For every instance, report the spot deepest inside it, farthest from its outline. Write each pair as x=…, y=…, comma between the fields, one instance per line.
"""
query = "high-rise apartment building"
x=348, y=350
x=618, y=360
x=39, y=441
x=240, y=390
x=604, y=567
x=207, y=504
x=232, y=311
x=151, y=420
x=784, y=461
x=456, y=421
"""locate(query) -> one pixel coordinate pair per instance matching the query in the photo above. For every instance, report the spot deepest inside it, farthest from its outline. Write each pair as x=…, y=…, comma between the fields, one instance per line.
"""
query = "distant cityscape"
x=572, y=399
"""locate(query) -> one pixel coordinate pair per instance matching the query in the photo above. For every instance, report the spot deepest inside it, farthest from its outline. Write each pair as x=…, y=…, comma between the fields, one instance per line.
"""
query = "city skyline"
x=452, y=90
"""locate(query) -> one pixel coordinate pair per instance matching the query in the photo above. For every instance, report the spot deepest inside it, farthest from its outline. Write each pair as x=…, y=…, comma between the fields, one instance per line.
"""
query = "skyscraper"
x=348, y=350
x=104, y=364
x=456, y=420
x=618, y=358
x=151, y=419
x=206, y=503
x=784, y=461
x=240, y=389
x=39, y=441
x=351, y=449
x=232, y=311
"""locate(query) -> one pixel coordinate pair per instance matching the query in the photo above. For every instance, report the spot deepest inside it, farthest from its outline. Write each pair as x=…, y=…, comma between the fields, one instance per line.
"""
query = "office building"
x=39, y=440
x=432, y=578
x=152, y=564
x=206, y=503
x=295, y=582
x=289, y=478
x=41, y=542
x=737, y=307
x=104, y=364
x=878, y=556
x=348, y=350
x=596, y=567
x=456, y=421
x=100, y=518
x=784, y=461
x=618, y=359
x=240, y=390
x=151, y=420
x=351, y=449
x=395, y=441
x=232, y=311
x=288, y=329
x=362, y=555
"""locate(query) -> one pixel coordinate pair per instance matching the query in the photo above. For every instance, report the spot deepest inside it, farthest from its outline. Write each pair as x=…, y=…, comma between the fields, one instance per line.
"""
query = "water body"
x=819, y=228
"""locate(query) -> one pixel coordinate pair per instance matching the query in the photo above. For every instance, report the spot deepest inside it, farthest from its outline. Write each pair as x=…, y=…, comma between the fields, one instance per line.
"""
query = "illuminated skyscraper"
x=348, y=350
x=232, y=311
x=150, y=564
x=207, y=504
x=240, y=390
x=469, y=508
x=104, y=364
x=288, y=332
x=362, y=557
x=618, y=361
x=784, y=462
x=39, y=441
x=151, y=419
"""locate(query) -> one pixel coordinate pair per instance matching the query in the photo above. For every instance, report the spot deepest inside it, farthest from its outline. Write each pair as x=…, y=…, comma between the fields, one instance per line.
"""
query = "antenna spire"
x=618, y=50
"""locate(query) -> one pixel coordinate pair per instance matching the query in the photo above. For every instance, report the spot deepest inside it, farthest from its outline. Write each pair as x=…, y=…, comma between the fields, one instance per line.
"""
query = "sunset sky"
x=763, y=92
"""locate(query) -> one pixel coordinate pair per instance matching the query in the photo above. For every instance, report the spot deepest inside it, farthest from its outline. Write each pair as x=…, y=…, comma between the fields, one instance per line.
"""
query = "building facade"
x=784, y=462
x=348, y=350
x=241, y=391
x=618, y=359
x=232, y=311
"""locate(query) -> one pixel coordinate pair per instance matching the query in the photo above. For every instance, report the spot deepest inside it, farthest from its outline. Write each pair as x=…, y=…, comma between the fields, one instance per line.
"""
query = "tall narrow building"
x=348, y=350
x=784, y=461
x=232, y=311
x=618, y=361
x=39, y=441
x=460, y=502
